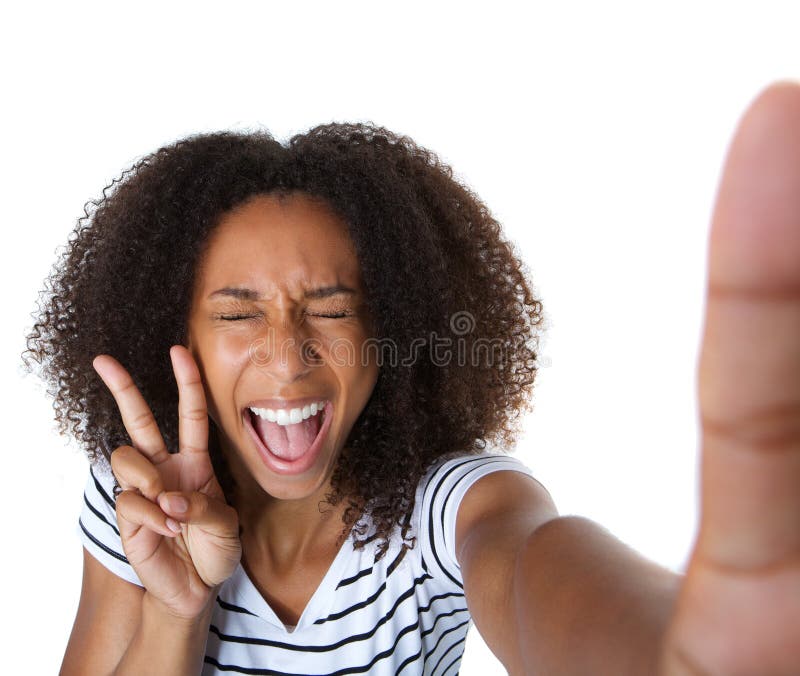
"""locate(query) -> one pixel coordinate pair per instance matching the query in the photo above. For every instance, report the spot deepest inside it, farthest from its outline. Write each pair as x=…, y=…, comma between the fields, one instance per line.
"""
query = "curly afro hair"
x=433, y=261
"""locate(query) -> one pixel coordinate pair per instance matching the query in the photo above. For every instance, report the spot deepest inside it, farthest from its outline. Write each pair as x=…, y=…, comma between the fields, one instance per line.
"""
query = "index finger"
x=192, y=409
x=137, y=417
x=749, y=372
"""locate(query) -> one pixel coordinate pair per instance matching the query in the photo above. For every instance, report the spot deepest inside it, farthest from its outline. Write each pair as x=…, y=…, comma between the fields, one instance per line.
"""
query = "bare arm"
x=108, y=614
x=585, y=603
x=120, y=629
x=178, y=534
x=557, y=595
x=169, y=644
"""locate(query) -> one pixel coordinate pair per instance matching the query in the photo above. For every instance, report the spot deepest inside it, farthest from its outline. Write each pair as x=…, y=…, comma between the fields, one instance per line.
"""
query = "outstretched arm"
x=557, y=595
x=584, y=603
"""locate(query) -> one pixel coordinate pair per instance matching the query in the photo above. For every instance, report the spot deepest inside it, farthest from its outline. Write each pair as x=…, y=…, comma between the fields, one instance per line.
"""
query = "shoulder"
x=97, y=523
x=450, y=479
x=459, y=492
x=496, y=517
x=509, y=504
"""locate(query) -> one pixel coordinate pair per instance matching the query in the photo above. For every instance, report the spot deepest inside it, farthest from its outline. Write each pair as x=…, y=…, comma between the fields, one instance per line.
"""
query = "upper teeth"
x=288, y=416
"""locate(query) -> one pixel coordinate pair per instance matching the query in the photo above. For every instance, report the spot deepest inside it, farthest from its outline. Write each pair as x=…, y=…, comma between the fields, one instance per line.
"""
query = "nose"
x=284, y=353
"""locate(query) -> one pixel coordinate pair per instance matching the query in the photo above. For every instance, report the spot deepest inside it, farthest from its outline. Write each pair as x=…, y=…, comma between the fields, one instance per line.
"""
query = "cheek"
x=345, y=350
x=226, y=348
x=220, y=359
x=360, y=372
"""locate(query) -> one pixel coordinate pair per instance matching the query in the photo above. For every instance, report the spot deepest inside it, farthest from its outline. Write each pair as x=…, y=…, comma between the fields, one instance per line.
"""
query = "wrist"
x=161, y=614
x=174, y=641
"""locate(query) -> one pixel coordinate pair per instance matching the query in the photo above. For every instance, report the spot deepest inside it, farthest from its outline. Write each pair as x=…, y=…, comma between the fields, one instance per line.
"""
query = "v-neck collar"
x=318, y=605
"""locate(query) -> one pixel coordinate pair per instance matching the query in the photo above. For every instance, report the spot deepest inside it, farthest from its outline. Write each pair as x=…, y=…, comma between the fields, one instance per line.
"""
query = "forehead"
x=272, y=242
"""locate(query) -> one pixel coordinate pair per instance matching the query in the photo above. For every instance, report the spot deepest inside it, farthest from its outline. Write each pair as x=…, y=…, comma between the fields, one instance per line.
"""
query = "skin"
x=551, y=594
x=281, y=248
x=581, y=601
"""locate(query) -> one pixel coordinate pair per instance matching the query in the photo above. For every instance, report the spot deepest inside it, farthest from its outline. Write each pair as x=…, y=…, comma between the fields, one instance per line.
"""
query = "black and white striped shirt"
x=405, y=613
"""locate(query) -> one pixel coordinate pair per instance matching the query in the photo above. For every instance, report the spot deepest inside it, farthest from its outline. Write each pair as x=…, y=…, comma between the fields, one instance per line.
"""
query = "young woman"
x=349, y=332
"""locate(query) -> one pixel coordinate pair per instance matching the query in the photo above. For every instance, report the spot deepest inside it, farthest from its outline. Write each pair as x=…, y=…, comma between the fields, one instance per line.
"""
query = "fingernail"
x=173, y=525
x=177, y=504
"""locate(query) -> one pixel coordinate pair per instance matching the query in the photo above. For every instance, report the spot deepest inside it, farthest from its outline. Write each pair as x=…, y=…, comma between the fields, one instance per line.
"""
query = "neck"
x=284, y=532
x=287, y=530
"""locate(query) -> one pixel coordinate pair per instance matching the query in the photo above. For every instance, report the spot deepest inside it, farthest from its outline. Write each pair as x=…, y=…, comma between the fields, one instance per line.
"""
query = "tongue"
x=287, y=441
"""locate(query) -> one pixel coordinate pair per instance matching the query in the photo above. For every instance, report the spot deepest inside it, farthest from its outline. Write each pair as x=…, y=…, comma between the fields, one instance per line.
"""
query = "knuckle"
x=232, y=517
x=125, y=501
x=135, y=470
x=120, y=455
x=121, y=462
x=774, y=428
x=150, y=483
x=193, y=449
x=140, y=421
x=129, y=384
x=196, y=413
x=226, y=515
x=199, y=504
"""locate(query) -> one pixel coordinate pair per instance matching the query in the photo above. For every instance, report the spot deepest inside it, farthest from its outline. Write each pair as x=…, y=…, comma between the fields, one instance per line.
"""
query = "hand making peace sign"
x=178, y=533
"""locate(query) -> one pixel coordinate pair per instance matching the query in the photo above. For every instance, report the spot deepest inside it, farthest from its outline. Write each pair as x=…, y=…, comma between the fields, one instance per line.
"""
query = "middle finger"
x=192, y=410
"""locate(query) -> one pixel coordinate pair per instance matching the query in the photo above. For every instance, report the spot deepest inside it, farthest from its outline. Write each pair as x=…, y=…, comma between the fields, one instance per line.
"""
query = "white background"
x=595, y=132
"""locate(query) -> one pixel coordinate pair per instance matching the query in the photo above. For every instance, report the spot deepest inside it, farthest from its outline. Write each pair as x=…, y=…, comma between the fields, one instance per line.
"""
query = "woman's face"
x=277, y=322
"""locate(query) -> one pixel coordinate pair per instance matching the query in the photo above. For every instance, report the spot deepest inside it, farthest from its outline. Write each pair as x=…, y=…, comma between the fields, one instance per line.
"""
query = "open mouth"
x=289, y=447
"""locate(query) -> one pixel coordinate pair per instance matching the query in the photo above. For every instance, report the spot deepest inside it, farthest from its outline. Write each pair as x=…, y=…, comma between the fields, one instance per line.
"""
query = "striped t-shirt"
x=405, y=613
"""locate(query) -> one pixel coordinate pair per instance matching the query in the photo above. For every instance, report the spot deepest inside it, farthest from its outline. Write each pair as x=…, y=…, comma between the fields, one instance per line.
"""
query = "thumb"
x=198, y=509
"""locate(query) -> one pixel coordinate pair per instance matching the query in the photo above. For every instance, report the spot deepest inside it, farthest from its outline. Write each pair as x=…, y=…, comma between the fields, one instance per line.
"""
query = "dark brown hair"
x=433, y=261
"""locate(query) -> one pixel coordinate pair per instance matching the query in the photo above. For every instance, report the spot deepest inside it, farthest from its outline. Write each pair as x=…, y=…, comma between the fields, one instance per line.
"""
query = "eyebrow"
x=243, y=293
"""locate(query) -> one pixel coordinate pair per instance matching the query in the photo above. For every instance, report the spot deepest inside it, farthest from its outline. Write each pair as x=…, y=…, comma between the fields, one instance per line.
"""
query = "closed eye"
x=334, y=315
x=234, y=318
